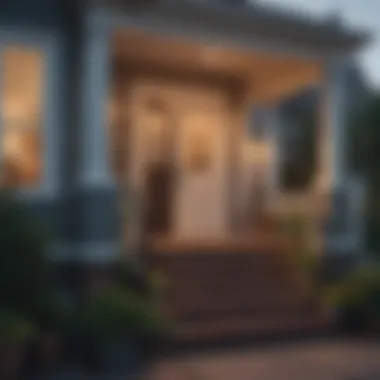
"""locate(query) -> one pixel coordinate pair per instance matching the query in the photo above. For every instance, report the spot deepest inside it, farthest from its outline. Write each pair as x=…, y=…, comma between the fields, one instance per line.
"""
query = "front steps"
x=216, y=295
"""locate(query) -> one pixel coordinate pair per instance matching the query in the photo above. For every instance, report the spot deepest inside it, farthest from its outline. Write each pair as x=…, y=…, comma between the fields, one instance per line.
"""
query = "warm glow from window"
x=21, y=97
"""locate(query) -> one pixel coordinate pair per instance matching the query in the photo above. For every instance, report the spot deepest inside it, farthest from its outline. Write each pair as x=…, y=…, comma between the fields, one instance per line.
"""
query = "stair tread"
x=255, y=326
x=213, y=294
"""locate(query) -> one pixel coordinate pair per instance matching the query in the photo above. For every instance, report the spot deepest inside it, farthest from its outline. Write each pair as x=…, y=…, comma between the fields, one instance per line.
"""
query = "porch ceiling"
x=269, y=76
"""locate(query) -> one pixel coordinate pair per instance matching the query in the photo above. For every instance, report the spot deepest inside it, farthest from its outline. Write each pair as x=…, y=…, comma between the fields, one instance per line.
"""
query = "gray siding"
x=76, y=215
x=40, y=14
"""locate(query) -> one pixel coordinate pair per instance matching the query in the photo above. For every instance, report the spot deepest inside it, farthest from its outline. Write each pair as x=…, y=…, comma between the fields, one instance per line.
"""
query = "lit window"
x=21, y=94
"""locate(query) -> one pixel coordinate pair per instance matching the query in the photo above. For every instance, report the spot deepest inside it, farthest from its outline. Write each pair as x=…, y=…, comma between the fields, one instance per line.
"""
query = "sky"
x=358, y=13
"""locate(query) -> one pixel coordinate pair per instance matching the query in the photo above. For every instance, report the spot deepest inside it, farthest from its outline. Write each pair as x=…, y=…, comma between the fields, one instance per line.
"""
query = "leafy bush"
x=14, y=328
x=134, y=279
x=357, y=297
x=297, y=228
x=119, y=313
x=52, y=313
x=24, y=272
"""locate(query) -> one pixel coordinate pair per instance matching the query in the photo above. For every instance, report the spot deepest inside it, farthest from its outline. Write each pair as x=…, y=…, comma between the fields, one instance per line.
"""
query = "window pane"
x=21, y=103
x=297, y=168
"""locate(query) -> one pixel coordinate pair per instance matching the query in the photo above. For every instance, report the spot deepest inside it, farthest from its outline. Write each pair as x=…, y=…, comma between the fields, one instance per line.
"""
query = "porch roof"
x=273, y=21
x=269, y=23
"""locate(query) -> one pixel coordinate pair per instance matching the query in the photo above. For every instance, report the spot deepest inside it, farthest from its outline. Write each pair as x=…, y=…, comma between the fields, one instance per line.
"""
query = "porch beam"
x=277, y=88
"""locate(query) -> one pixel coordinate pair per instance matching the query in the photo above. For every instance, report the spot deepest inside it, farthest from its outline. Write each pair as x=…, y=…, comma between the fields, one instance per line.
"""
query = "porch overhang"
x=266, y=76
x=250, y=26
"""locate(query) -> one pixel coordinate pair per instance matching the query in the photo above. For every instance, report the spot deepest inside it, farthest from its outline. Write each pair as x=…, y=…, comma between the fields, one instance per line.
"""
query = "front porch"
x=206, y=198
x=199, y=176
x=185, y=144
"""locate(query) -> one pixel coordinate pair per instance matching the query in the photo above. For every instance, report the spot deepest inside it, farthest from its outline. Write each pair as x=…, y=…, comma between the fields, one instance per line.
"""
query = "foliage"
x=117, y=312
x=364, y=137
x=52, y=313
x=358, y=293
x=14, y=328
x=158, y=282
x=298, y=229
x=364, y=158
x=134, y=279
x=24, y=271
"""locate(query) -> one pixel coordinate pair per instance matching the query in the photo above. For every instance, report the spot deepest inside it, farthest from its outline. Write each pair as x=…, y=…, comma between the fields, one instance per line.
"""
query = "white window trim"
x=49, y=43
x=94, y=252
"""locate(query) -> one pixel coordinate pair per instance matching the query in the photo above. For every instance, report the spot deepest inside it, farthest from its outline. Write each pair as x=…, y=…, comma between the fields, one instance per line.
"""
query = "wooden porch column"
x=241, y=111
x=332, y=139
x=95, y=167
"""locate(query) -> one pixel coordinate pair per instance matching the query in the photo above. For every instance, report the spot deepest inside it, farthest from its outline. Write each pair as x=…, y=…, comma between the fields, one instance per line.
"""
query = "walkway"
x=324, y=360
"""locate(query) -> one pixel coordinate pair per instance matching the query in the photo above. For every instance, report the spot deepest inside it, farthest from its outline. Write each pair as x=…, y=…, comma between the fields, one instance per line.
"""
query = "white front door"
x=201, y=207
x=200, y=127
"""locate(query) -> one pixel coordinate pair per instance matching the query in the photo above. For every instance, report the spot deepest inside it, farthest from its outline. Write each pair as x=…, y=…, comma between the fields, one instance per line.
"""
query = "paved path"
x=328, y=360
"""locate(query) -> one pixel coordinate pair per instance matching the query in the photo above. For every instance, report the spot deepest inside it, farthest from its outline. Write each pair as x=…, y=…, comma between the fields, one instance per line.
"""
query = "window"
x=30, y=112
x=21, y=110
x=297, y=166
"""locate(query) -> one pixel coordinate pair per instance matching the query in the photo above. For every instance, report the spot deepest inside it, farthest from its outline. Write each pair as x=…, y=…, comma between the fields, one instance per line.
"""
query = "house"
x=126, y=126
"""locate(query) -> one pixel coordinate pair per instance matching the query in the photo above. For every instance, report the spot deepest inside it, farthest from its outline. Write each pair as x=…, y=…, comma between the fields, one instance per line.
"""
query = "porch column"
x=332, y=181
x=235, y=177
x=98, y=200
x=332, y=141
x=95, y=165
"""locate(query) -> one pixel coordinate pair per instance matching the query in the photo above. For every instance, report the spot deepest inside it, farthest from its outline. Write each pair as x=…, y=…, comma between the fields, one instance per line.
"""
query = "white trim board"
x=166, y=24
x=86, y=252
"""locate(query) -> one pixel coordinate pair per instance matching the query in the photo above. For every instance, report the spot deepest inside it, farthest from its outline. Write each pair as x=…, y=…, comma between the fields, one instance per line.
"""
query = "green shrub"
x=14, y=328
x=132, y=278
x=158, y=282
x=358, y=295
x=24, y=270
x=52, y=313
x=297, y=228
x=117, y=312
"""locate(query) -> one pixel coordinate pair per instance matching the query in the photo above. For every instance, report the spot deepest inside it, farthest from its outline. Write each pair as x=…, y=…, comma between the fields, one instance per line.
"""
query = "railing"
x=345, y=229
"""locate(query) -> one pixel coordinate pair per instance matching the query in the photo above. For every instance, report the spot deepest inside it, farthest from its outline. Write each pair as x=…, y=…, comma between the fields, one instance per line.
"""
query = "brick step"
x=257, y=242
x=222, y=303
x=250, y=310
x=234, y=293
x=260, y=283
x=245, y=274
x=301, y=309
x=255, y=327
x=233, y=261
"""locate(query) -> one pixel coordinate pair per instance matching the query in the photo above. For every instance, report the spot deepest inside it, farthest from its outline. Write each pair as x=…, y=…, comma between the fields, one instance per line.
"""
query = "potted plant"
x=121, y=322
x=151, y=284
x=52, y=316
x=15, y=333
x=25, y=272
x=356, y=300
x=24, y=268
